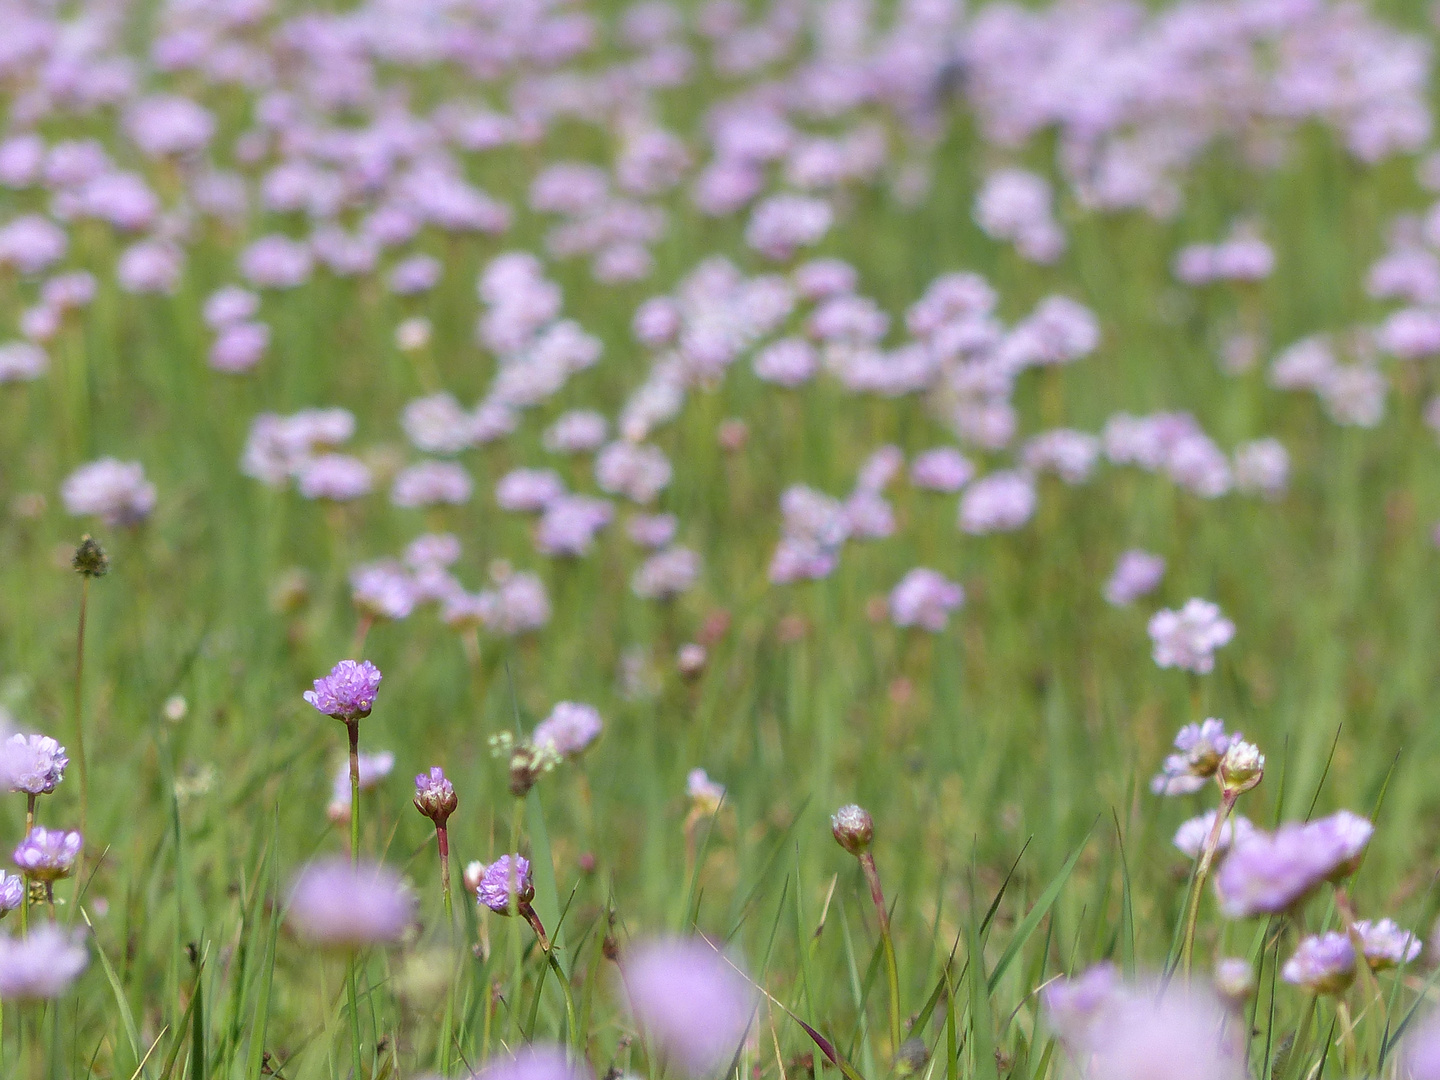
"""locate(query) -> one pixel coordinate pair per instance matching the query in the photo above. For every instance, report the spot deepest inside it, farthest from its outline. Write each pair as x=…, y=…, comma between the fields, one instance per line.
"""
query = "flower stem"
x=79, y=718
x=442, y=840
x=1202, y=871
x=352, y=728
x=892, y=974
x=554, y=964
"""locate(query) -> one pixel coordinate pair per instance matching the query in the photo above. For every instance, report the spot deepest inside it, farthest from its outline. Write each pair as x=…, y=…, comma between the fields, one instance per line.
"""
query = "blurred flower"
x=115, y=491
x=1267, y=873
x=337, y=905
x=925, y=598
x=1073, y=1004
x=569, y=729
x=1200, y=749
x=1385, y=945
x=1321, y=964
x=666, y=574
x=48, y=854
x=534, y=1061
x=1188, y=638
x=941, y=469
x=999, y=502
x=689, y=1000
x=704, y=792
x=41, y=965
x=1136, y=573
x=1191, y=837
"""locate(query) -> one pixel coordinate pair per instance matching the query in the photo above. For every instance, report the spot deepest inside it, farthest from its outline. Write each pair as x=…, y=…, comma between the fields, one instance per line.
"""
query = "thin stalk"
x=30, y=812
x=352, y=727
x=442, y=840
x=1202, y=871
x=554, y=964
x=892, y=974
x=79, y=718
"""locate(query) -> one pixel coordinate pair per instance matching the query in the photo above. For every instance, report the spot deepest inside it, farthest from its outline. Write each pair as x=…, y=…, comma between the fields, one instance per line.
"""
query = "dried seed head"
x=90, y=559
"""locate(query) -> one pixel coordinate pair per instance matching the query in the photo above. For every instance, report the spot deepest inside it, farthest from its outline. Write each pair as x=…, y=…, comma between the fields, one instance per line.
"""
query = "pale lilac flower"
x=1178, y=1033
x=32, y=244
x=506, y=882
x=276, y=262
x=412, y=334
x=703, y=791
x=1410, y=333
x=925, y=598
x=1385, y=945
x=12, y=892
x=528, y=490
x=788, y=362
x=150, y=266
x=656, y=321
x=438, y=425
x=868, y=516
x=1266, y=873
x=518, y=605
x=239, y=347
x=1354, y=395
x=48, y=854
x=1071, y=455
x=533, y=1062
x=1015, y=205
x=431, y=483
x=637, y=471
x=169, y=125
x=1058, y=331
x=820, y=278
x=34, y=764
x=383, y=590
x=373, y=769
x=783, y=224
x=229, y=305
x=1200, y=749
x=336, y=905
x=348, y=692
x=22, y=361
x=998, y=502
x=435, y=795
x=568, y=526
x=1188, y=638
x=799, y=558
x=690, y=1000
x=41, y=965
x=942, y=469
x=666, y=574
x=1192, y=836
x=577, y=432
x=1422, y=1050
x=1305, y=365
x=417, y=274
x=114, y=491
x=1321, y=964
x=432, y=549
x=1262, y=467
x=1073, y=1004
x=880, y=469
x=334, y=477
x=569, y=729
x=1136, y=574
x=652, y=530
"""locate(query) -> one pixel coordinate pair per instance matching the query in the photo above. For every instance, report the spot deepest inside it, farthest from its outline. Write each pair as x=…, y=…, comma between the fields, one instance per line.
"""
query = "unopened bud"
x=1242, y=767
x=854, y=828
x=1234, y=979
x=90, y=559
x=435, y=796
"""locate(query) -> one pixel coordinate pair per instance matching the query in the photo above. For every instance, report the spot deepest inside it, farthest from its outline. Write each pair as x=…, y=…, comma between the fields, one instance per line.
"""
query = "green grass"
x=1005, y=760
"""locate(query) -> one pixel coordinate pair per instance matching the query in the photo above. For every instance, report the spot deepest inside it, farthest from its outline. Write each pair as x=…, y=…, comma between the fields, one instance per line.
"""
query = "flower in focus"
x=1321, y=964
x=336, y=905
x=1242, y=766
x=569, y=729
x=1385, y=945
x=1188, y=638
x=689, y=999
x=48, y=854
x=1200, y=749
x=348, y=692
x=41, y=965
x=435, y=795
x=34, y=764
x=506, y=885
x=853, y=828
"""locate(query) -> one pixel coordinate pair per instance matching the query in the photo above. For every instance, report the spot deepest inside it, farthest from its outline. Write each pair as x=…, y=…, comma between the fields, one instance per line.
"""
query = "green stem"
x=1207, y=857
x=79, y=719
x=352, y=728
x=442, y=839
x=892, y=974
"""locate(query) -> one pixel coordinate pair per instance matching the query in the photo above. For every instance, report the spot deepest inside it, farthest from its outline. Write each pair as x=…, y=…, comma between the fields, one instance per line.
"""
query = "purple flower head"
x=569, y=729
x=48, y=854
x=1192, y=836
x=783, y=224
x=431, y=483
x=1000, y=502
x=1422, y=1050
x=1321, y=964
x=528, y=490
x=788, y=362
x=1073, y=1004
x=1266, y=873
x=942, y=469
x=417, y=274
x=371, y=770
x=569, y=525
x=150, y=266
x=1262, y=468
x=336, y=905
x=239, y=347
x=1188, y=638
x=1177, y=1034
x=534, y=1062
x=383, y=590
x=667, y=574
x=1200, y=748
x=42, y=965
x=506, y=882
x=689, y=999
x=114, y=491
x=637, y=471
x=853, y=828
x=276, y=262
x=31, y=243
x=652, y=530
x=1136, y=573
x=704, y=792
x=435, y=795
x=230, y=304
x=34, y=764
x=579, y=431
x=22, y=361
x=335, y=478
x=925, y=598
x=348, y=692
x=167, y=125
x=12, y=892
x=1385, y=945
x=432, y=549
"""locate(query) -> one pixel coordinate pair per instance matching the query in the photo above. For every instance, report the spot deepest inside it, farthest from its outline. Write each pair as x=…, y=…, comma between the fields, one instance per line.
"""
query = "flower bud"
x=90, y=559
x=1242, y=767
x=1234, y=979
x=854, y=828
x=435, y=796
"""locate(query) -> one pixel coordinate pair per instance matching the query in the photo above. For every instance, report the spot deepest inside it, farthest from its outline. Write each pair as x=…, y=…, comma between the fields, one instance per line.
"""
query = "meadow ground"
x=703, y=367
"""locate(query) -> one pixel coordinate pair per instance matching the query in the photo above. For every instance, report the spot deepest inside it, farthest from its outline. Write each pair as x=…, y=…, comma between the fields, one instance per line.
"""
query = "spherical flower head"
x=34, y=764
x=435, y=795
x=348, y=692
x=1322, y=964
x=48, y=854
x=534, y=1062
x=1072, y=1005
x=114, y=491
x=1385, y=945
x=690, y=1001
x=925, y=598
x=1267, y=873
x=1342, y=837
x=1199, y=750
x=1188, y=638
x=854, y=828
x=90, y=559
x=506, y=886
x=1178, y=1034
x=1234, y=979
x=569, y=729
x=12, y=892
x=1242, y=766
x=336, y=905
x=42, y=965
x=1192, y=836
